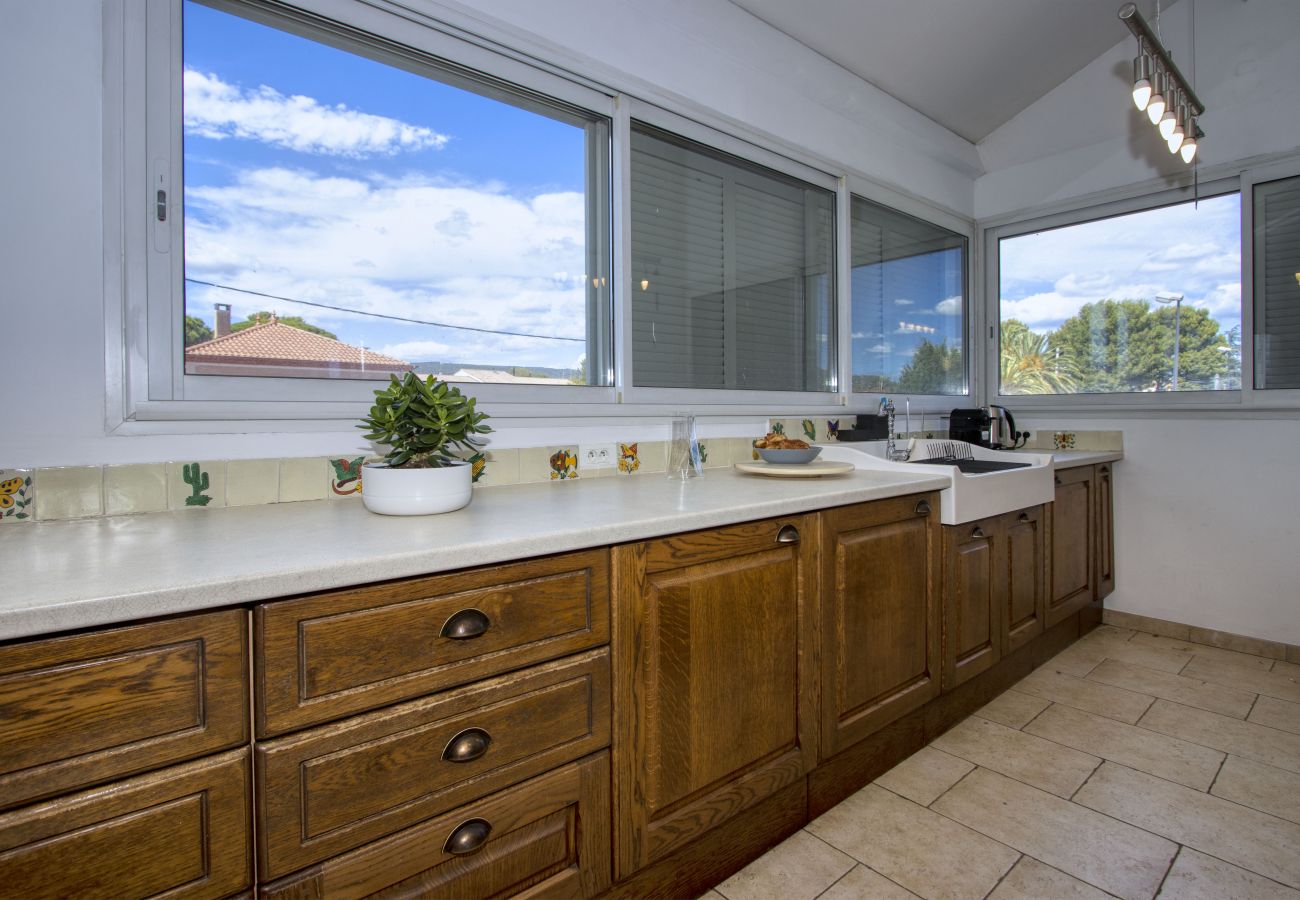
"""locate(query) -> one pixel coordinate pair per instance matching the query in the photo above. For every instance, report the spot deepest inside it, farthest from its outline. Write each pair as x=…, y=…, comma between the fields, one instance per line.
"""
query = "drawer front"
x=183, y=831
x=83, y=709
x=332, y=788
x=332, y=655
x=548, y=836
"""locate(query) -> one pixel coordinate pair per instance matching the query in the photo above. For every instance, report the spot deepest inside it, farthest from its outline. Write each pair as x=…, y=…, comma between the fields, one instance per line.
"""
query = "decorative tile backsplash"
x=28, y=495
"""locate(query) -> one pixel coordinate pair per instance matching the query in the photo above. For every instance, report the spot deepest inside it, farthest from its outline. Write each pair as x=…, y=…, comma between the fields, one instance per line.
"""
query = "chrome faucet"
x=892, y=453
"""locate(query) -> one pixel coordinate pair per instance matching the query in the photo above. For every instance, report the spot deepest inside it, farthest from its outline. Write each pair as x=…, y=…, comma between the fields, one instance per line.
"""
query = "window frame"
x=1263, y=398
x=1104, y=207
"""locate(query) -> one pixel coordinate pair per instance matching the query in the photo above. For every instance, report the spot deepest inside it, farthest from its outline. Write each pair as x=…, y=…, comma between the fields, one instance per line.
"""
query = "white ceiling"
x=970, y=65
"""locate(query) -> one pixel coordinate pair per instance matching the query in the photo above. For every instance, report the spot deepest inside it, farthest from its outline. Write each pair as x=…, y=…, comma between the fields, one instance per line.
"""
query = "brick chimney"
x=223, y=319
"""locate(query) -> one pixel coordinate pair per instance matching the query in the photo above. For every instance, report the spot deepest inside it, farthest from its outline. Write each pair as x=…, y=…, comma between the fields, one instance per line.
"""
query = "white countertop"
x=65, y=575
x=1069, y=459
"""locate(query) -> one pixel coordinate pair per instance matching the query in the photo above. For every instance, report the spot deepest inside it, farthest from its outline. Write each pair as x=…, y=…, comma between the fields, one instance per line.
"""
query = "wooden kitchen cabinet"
x=995, y=589
x=974, y=585
x=1074, y=561
x=714, y=695
x=881, y=569
x=1105, y=532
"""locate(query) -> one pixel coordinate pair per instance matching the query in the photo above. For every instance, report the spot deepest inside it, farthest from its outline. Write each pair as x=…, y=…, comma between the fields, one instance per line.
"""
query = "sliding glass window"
x=732, y=272
x=354, y=208
x=1277, y=285
x=909, y=303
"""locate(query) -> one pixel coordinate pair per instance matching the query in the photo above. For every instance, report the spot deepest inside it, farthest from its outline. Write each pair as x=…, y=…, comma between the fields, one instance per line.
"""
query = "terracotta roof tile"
x=275, y=341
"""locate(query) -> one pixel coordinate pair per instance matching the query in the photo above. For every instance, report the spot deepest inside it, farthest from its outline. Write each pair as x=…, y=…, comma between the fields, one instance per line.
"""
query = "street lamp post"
x=1177, y=301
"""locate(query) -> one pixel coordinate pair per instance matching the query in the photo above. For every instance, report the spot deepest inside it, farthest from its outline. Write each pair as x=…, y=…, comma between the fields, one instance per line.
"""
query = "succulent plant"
x=423, y=422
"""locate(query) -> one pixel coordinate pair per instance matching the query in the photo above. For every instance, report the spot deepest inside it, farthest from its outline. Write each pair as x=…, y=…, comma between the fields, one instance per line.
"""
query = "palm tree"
x=1028, y=367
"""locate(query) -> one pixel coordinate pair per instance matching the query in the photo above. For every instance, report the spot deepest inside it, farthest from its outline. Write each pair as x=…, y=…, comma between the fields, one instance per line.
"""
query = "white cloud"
x=902, y=302
x=949, y=307
x=216, y=109
x=509, y=263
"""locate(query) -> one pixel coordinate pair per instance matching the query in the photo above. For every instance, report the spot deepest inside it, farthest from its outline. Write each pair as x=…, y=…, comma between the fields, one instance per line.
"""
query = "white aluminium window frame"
x=144, y=260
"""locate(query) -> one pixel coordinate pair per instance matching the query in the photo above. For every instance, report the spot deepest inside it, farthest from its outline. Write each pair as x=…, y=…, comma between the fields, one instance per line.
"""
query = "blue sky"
x=316, y=174
x=901, y=303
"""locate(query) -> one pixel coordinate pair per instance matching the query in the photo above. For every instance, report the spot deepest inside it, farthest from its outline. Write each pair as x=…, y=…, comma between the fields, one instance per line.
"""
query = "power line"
x=226, y=287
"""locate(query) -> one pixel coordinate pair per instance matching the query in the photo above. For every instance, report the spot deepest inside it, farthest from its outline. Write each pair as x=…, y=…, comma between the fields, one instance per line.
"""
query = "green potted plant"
x=423, y=422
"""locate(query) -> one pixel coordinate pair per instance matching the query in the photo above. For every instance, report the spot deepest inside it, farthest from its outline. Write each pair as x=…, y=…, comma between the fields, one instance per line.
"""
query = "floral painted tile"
x=1063, y=440
x=628, y=459
x=196, y=485
x=17, y=493
x=563, y=463
x=344, y=477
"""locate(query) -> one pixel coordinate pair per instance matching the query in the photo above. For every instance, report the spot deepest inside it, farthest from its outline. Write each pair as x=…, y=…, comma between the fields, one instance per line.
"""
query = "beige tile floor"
x=1130, y=765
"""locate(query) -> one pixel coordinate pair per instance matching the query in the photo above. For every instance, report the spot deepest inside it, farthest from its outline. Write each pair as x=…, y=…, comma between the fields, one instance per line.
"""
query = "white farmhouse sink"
x=970, y=496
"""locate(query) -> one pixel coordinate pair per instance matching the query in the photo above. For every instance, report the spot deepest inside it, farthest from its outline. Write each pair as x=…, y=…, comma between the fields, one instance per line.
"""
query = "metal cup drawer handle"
x=466, y=624
x=467, y=746
x=467, y=837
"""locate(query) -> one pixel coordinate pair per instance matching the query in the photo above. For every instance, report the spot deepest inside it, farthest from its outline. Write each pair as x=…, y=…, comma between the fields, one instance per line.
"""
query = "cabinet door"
x=1022, y=566
x=1105, y=533
x=881, y=571
x=713, y=699
x=974, y=591
x=1074, y=568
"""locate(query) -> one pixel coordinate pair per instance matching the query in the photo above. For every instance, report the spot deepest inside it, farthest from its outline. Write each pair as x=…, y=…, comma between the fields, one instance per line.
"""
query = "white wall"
x=51, y=253
x=1205, y=508
x=1086, y=136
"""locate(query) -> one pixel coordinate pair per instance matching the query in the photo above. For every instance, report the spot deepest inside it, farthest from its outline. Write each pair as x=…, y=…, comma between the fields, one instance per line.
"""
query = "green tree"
x=262, y=317
x=196, y=332
x=1125, y=345
x=1030, y=366
x=933, y=369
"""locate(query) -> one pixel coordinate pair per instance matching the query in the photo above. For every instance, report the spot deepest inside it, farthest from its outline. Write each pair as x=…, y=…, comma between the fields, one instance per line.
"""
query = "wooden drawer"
x=183, y=831
x=88, y=708
x=327, y=790
x=331, y=655
x=549, y=837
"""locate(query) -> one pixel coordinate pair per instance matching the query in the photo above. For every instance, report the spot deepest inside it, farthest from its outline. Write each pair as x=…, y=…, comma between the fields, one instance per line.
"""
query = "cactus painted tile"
x=252, y=482
x=196, y=485
x=628, y=459
x=135, y=489
x=71, y=492
x=303, y=478
x=344, y=477
x=17, y=494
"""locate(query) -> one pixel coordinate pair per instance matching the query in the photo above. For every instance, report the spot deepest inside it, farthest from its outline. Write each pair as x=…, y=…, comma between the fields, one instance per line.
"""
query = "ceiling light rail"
x=1160, y=89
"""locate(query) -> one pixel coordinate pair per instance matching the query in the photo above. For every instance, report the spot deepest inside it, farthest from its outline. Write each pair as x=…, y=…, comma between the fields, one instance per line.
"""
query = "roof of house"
x=496, y=376
x=273, y=343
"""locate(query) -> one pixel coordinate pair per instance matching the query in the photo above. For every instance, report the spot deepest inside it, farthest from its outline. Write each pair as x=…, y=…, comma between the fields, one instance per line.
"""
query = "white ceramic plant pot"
x=416, y=492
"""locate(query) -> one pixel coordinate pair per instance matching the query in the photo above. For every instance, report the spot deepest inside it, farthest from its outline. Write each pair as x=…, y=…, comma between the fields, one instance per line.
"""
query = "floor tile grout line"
x=1003, y=876
x=974, y=766
x=1223, y=762
x=1169, y=868
x=1036, y=717
x=1085, y=781
x=1253, y=704
x=1267, y=878
x=1213, y=713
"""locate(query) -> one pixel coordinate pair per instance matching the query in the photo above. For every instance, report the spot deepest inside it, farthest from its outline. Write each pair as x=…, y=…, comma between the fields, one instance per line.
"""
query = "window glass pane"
x=1277, y=284
x=1110, y=306
x=909, y=303
x=732, y=272
x=348, y=215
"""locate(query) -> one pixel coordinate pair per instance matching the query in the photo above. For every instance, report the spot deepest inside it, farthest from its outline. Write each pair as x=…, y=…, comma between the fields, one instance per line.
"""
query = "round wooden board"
x=814, y=469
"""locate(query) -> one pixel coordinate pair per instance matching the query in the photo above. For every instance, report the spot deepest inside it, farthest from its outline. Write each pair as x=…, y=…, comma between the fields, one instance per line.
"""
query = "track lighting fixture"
x=1160, y=89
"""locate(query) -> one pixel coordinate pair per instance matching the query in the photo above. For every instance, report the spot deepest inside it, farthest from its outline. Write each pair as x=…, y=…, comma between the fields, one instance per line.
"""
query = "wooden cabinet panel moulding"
x=182, y=831
x=1074, y=569
x=330, y=655
x=87, y=708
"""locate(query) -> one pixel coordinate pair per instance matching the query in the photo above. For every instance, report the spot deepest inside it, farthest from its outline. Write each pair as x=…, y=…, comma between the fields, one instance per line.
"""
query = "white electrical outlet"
x=596, y=456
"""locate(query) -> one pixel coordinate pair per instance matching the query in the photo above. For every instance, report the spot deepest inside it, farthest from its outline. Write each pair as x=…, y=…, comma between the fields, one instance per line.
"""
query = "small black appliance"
x=989, y=426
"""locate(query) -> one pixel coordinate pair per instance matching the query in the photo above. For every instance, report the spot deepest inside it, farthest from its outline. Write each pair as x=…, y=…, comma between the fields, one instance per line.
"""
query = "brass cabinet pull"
x=466, y=624
x=1024, y=517
x=787, y=535
x=467, y=746
x=923, y=508
x=978, y=532
x=468, y=837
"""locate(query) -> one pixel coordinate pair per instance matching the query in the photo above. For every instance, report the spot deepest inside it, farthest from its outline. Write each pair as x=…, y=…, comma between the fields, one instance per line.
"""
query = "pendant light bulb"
x=1178, y=132
x=1156, y=105
x=1188, y=149
x=1141, y=81
x=1170, y=117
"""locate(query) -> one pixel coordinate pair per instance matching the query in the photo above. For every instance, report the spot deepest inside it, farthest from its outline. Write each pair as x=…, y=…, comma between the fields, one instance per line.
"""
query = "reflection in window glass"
x=1145, y=302
x=1277, y=285
x=732, y=272
x=908, y=303
x=348, y=217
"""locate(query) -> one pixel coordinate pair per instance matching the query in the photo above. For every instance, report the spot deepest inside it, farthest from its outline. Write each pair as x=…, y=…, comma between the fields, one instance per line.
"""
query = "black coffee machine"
x=988, y=426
